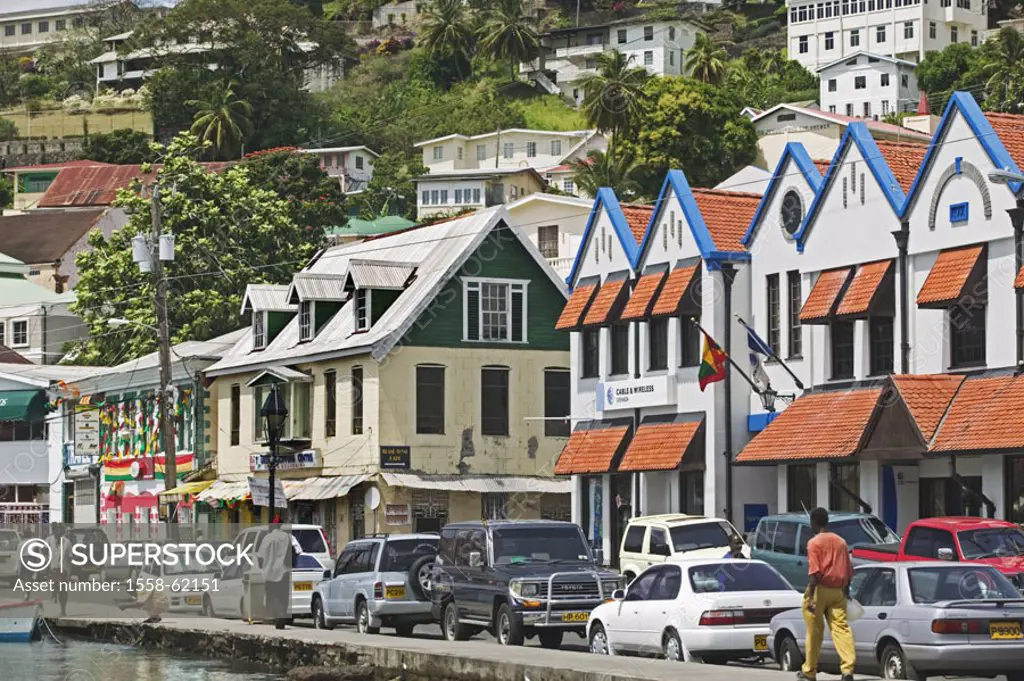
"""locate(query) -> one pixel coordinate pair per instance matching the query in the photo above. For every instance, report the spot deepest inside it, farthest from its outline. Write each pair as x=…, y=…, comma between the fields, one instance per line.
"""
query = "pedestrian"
x=829, y=572
x=276, y=557
x=736, y=546
x=60, y=573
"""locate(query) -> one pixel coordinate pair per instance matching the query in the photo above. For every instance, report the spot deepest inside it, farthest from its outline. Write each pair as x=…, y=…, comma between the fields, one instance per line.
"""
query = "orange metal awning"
x=865, y=288
x=591, y=450
x=575, y=307
x=660, y=446
x=609, y=297
x=821, y=302
x=643, y=295
x=950, y=276
x=673, y=294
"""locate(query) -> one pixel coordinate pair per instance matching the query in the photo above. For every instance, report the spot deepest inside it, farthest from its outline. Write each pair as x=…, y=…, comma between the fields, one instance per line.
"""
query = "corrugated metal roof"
x=97, y=185
x=316, y=286
x=380, y=274
x=266, y=298
x=478, y=483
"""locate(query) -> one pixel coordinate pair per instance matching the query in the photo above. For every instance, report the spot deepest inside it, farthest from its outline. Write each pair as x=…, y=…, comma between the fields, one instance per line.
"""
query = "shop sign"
x=287, y=461
x=635, y=393
x=397, y=514
x=395, y=457
x=87, y=432
x=259, y=488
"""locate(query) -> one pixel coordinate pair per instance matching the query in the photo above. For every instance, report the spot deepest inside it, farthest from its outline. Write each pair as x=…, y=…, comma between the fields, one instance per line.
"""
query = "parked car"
x=518, y=579
x=10, y=563
x=922, y=619
x=184, y=583
x=653, y=539
x=970, y=540
x=715, y=611
x=781, y=540
x=94, y=538
x=230, y=598
x=381, y=581
x=311, y=538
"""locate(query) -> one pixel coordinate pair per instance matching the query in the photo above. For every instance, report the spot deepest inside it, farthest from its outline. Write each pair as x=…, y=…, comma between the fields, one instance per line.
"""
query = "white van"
x=311, y=538
x=653, y=539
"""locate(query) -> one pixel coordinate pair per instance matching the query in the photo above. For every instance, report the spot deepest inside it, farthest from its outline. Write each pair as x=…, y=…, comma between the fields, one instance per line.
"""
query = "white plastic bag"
x=854, y=610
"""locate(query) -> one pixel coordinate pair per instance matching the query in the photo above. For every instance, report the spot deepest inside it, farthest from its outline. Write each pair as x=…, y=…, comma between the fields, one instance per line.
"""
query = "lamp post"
x=274, y=412
x=768, y=397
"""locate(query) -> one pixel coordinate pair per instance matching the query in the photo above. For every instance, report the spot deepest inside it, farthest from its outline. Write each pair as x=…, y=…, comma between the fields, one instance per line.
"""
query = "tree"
x=391, y=190
x=229, y=232
x=509, y=34
x=706, y=60
x=314, y=197
x=957, y=67
x=447, y=34
x=223, y=119
x=614, y=95
x=6, y=192
x=8, y=130
x=763, y=78
x=1004, y=87
x=124, y=146
x=617, y=168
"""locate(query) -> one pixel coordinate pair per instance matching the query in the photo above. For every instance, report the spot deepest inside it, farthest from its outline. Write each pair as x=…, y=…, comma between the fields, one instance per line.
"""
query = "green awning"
x=22, y=405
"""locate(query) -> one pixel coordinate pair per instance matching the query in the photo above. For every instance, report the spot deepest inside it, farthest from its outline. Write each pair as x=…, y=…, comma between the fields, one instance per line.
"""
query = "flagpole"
x=728, y=357
x=774, y=355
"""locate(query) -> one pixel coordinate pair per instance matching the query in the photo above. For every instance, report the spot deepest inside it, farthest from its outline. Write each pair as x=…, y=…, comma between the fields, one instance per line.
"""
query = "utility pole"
x=164, y=339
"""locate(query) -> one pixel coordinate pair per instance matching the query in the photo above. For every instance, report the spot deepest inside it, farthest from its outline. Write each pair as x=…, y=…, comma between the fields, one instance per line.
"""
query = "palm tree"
x=1004, y=70
x=510, y=34
x=446, y=30
x=614, y=95
x=616, y=168
x=706, y=60
x=223, y=119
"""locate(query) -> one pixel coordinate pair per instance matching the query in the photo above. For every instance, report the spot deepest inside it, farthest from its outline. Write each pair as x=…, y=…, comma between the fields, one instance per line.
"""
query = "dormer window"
x=495, y=310
x=306, y=320
x=362, y=312
x=259, y=330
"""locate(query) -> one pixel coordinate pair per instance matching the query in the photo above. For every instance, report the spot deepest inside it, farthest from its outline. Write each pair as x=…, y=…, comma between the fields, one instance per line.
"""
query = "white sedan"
x=711, y=610
x=228, y=599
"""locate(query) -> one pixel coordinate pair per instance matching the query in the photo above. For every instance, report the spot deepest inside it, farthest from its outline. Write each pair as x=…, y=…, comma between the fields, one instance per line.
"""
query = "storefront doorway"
x=1015, y=489
x=622, y=511
x=944, y=497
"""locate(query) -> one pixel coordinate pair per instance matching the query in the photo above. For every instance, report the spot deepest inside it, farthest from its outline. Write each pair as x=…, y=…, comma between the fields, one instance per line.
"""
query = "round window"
x=792, y=213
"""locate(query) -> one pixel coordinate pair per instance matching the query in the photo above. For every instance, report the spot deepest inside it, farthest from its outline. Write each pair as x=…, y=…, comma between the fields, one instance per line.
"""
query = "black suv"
x=517, y=579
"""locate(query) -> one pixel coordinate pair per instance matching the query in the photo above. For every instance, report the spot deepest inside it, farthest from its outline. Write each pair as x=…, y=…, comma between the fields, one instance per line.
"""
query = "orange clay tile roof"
x=985, y=415
x=637, y=218
x=574, y=307
x=676, y=286
x=643, y=295
x=659, y=446
x=603, y=302
x=825, y=425
x=862, y=288
x=822, y=297
x=949, y=274
x=927, y=398
x=904, y=160
x=590, y=451
x=1010, y=129
x=1018, y=281
x=727, y=216
x=822, y=164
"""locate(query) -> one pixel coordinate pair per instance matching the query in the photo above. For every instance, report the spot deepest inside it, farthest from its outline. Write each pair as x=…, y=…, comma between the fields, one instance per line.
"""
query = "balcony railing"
x=562, y=266
x=580, y=51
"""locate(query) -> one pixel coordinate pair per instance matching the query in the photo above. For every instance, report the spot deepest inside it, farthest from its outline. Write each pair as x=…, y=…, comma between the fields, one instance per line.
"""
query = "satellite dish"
x=373, y=498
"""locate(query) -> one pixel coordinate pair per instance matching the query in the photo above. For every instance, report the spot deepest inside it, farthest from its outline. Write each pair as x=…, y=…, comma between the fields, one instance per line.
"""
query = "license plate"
x=394, y=592
x=193, y=600
x=303, y=586
x=761, y=644
x=1005, y=631
x=575, y=616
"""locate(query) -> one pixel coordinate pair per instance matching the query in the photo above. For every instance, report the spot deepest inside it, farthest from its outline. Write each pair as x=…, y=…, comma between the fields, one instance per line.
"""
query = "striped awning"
x=187, y=488
x=318, y=488
x=516, y=484
x=222, y=490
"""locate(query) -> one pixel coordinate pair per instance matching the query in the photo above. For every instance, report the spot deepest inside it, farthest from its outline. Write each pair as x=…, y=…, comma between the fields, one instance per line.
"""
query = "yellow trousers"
x=829, y=604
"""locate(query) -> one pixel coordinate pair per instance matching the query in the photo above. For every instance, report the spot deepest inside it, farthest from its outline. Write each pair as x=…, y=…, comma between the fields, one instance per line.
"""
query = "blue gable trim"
x=796, y=152
x=607, y=200
x=676, y=182
x=982, y=129
x=758, y=422
x=856, y=133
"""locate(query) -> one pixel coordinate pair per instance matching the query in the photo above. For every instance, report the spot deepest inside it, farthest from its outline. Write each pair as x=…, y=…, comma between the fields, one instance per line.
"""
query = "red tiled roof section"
x=637, y=217
x=643, y=295
x=1018, y=281
x=574, y=307
x=1010, y=129
x=904, y=160
x=676, y=286
x=985, y=415
x=590, y=451
x=822, y=297
x=822, y=165
x=97, y=185
x=603, y=302
x=727, y=216
x=658, y=446
x=927, y=397
x=862, y=288
x=949, y=274
x=827, y=425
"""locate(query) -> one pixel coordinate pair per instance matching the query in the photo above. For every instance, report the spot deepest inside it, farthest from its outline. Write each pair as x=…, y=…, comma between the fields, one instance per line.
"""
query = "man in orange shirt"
x=829, y=572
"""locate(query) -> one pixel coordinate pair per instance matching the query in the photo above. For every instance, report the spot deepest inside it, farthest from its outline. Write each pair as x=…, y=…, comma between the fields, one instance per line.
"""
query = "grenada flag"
x=712, y=363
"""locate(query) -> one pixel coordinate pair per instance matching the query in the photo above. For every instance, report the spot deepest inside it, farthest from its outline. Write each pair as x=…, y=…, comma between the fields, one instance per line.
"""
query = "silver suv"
x=379, y=581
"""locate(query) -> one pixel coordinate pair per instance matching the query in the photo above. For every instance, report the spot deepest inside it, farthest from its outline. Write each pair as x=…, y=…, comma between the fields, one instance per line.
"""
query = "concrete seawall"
x=409, y=659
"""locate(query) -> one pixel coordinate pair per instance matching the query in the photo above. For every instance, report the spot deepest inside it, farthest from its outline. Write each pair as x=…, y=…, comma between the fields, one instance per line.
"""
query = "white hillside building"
x=821, y=31
x=868, y=85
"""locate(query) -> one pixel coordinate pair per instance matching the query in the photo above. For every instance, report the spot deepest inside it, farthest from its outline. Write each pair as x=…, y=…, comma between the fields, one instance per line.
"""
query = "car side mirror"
x=476, y=559
x=619, y=595
x=945, y=554
x=660, y=549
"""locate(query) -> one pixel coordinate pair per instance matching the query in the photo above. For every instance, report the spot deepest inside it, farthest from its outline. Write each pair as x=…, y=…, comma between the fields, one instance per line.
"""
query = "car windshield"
x=737, y=575
x=400, y=554
x=700, y=536
x=8, y=540
x=997, y=542
x=184, y=567
x=310, y=540
x=543, y=544
x=859, y=531
x=959, y=583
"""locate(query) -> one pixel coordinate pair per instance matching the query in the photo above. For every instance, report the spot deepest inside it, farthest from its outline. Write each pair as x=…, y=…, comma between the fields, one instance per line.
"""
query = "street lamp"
x=1005, y=177
x=768, y=397
x=274, y=412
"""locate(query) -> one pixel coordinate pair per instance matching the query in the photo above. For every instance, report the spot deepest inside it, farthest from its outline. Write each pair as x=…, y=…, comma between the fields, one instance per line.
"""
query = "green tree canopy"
x=957, y=67
x=613, y=95
x=314, y=198
x=229, y=232
x=122, y=146
x=510, y=34
x=447, y=33
x=223, y=119
x=706, y=59
x=391, y=190
x=6, y=192
x=617, y=168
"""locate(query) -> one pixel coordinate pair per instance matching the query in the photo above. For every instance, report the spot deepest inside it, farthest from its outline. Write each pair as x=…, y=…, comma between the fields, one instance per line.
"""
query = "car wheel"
x=599, y=640
x=208, y=610
x=790, y=659
x=450, y=625
x=507, y=627
x=363, y=619
x=671, y=646
x=550, y=638
x=419, y=577
x=895, y=665
x=404, y=629
x=319, y=618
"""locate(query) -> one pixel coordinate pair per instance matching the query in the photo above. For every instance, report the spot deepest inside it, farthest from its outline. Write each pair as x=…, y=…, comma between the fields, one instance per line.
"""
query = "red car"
x=969, y=540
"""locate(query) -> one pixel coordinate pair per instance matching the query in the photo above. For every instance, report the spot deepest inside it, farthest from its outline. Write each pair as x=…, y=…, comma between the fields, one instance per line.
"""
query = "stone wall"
x=33, y=152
